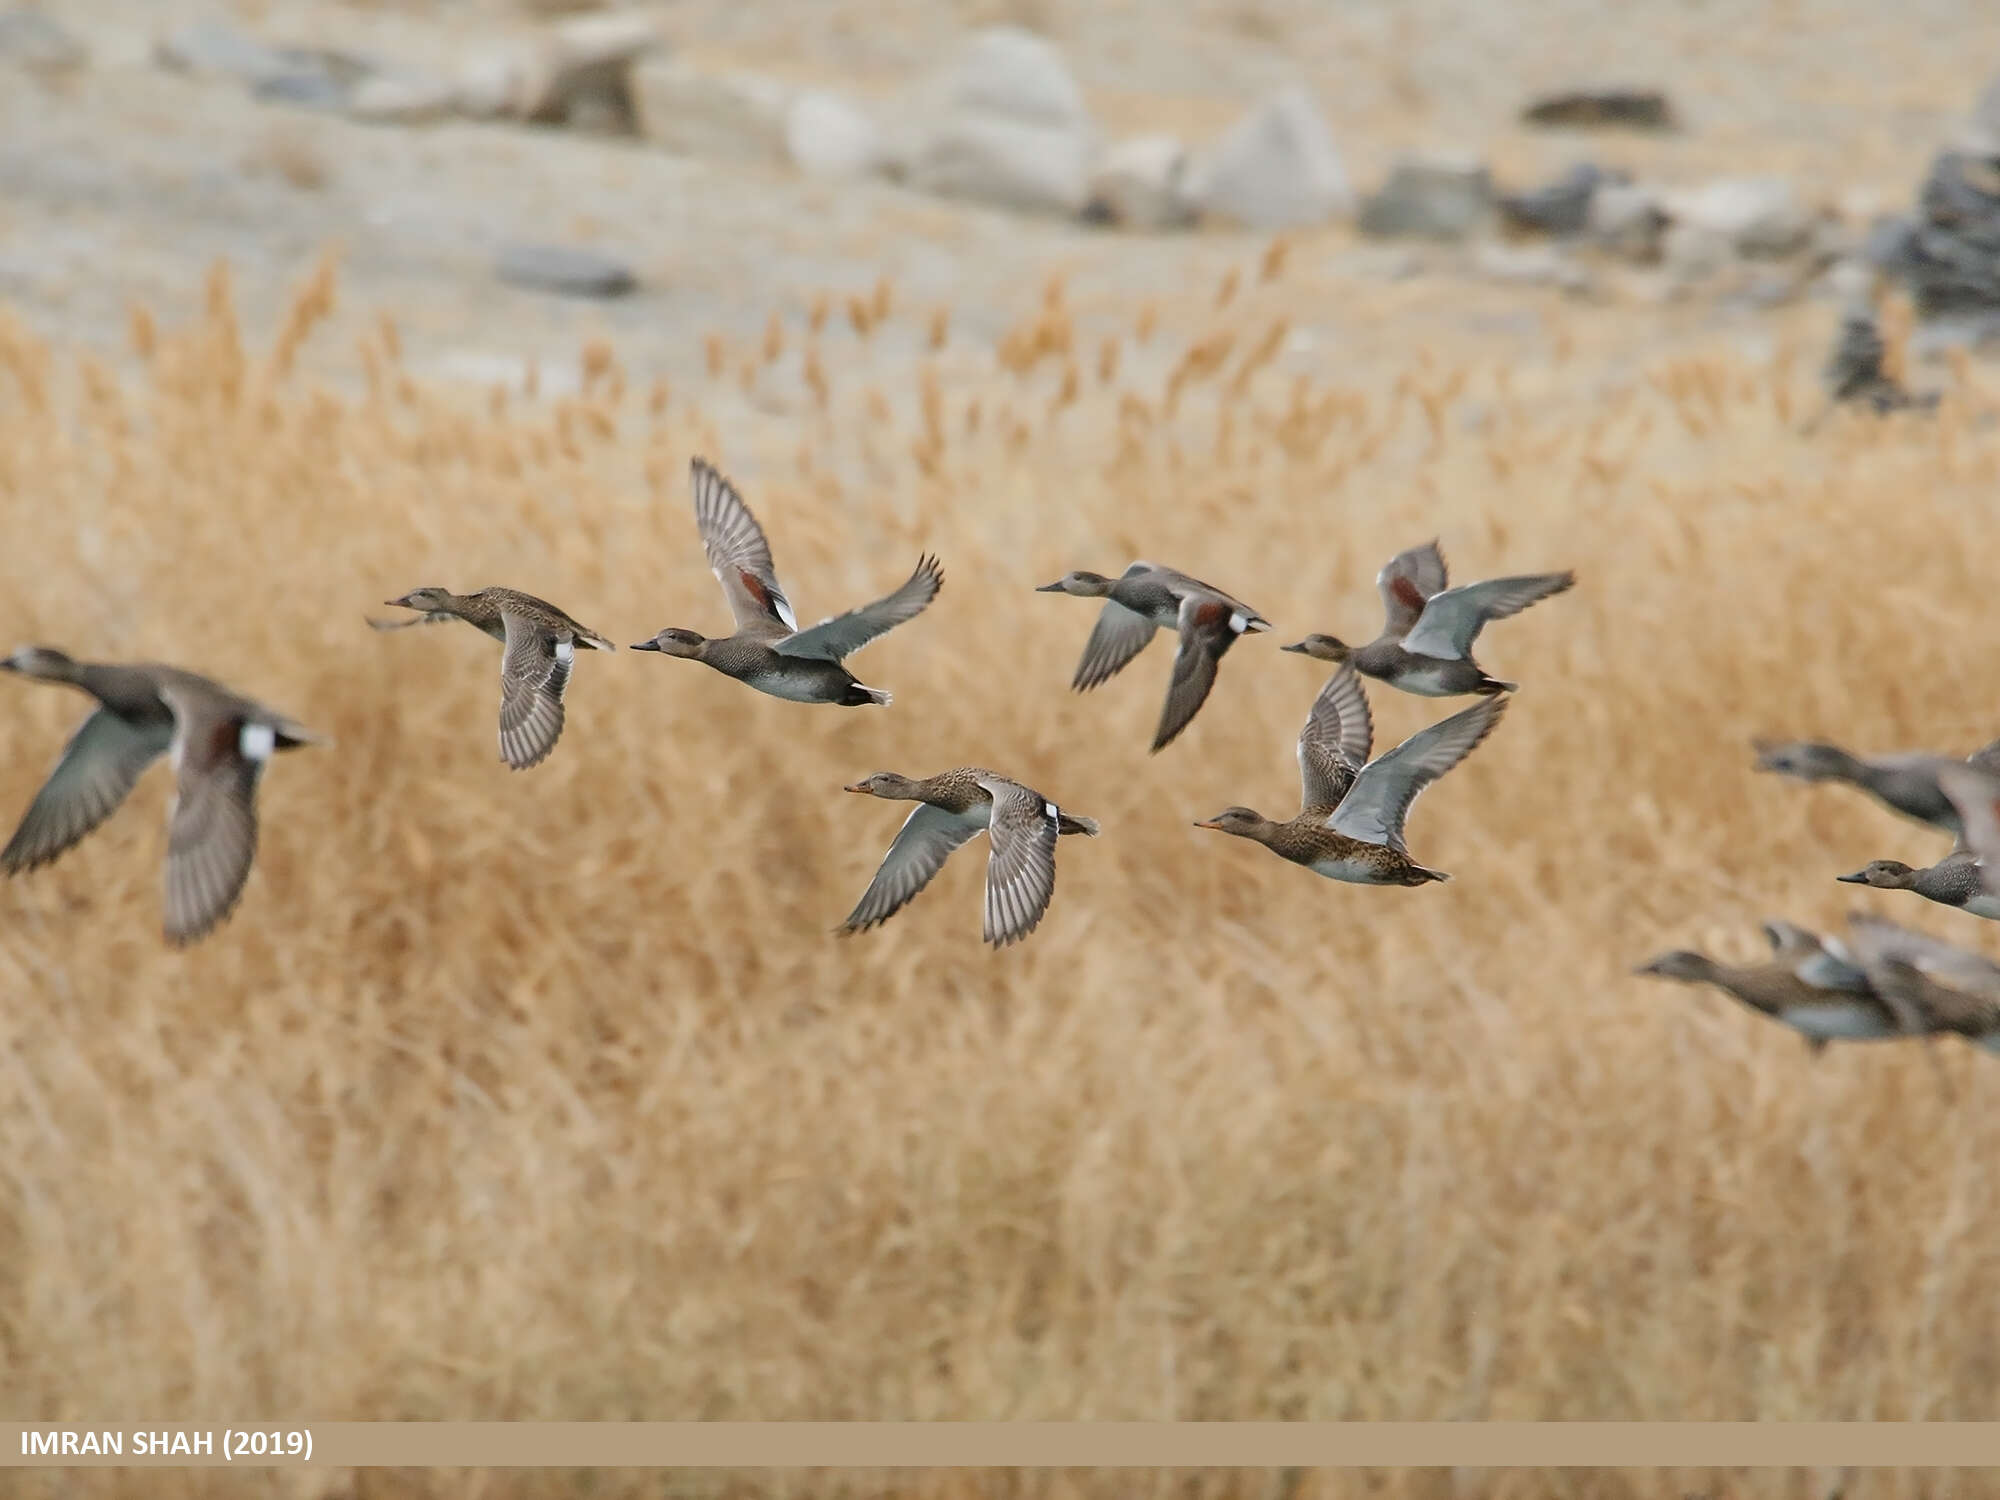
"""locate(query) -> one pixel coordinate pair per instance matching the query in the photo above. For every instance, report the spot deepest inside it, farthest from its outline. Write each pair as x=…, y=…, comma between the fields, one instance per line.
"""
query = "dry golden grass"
x=552, y=1096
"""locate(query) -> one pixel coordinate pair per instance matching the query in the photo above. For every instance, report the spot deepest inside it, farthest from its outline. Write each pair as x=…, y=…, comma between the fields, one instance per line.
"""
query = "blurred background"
x=551, y=1095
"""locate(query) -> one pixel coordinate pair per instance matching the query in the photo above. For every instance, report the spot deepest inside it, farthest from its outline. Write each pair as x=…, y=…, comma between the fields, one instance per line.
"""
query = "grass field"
x=552, y=1096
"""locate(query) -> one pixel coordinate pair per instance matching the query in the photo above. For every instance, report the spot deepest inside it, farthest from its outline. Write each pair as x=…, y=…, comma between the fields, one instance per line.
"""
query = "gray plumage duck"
x=218, y=743
x=1147, y=597
x=1021, y=827
x=1905, y=782
x=1426, y=642
x=1810, y=984
x=768, y=651
x=1350, y=826
x=540, y=642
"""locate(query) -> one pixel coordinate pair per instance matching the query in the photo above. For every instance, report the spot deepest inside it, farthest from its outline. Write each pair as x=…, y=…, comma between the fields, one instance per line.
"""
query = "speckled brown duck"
x=1147, y=597
x=1021, y=828
x=768, y=651
x=218, y=743
x=1351, y=825
x=1426, y=642
x=540, y=642
x=1809, y=984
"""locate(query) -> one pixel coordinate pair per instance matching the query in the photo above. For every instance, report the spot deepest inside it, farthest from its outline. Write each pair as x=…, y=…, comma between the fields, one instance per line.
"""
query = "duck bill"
x=647, y=646
x=1049, y=588
x=1857, y=878
x=854, y=787
x=1298, y=646
x=1208, y=823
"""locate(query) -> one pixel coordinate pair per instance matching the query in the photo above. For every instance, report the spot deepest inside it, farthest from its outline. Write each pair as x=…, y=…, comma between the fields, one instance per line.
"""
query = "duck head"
x=674, y=641
x=1322, y=648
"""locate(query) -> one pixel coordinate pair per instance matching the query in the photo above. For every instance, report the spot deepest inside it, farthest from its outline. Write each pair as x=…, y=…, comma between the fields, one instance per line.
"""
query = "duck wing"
x=1453, y=619
x=1406, y=582
x=1205, y=634
x=1021, y=867
x=1334, y=745
x=928, y=838
x=841, y=635
x=96, y=771
x=1119, y=635
x=1378, y=803
x=219, y=757
x=534, y=672
x=739, y=555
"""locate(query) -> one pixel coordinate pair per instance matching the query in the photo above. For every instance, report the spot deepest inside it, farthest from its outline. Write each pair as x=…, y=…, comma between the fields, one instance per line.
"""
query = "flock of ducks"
x=1352, y=808
x=1882, y=981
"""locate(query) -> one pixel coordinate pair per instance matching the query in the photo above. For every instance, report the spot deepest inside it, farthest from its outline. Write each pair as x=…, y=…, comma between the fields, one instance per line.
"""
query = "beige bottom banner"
x=870, y=1445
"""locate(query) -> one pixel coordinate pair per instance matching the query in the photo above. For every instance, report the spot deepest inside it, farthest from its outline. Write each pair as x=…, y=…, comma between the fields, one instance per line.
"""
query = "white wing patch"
x=565, y=651
x=256, y=741
x=1049, y=810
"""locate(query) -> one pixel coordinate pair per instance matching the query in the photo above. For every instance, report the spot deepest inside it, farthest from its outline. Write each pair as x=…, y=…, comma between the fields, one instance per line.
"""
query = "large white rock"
x=828, y=135
x=731, y=116
x=1004, y=123
x=1275, y=168
x=1141, y=183
x=1752, y=215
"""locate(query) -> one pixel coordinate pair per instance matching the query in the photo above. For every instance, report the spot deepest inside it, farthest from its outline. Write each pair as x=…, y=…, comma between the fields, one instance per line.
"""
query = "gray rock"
x=1141, y=183
x=723, y=116
x=1437, y=196
x=34, y=40
x=1003, y=123
x=1531, y=265
x=579, y=75
x=1951, y=256
x=1276, y=168
x=1636, y=109
x=827, y=135
x=1751, y=215
x=1854, y=369
x=1628, y=220
x=213, y=48
x=569, y=271
x=1561, y=207
x=403, y=99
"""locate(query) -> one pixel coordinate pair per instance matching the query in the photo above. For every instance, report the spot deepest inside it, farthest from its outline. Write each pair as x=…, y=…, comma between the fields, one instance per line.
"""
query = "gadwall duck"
x=1906, y=782
x=1836, y=1003
x=1426, y=642
x=541, y=644
x=768, y=651
x=1351, y=825
x=1147, y=597
x=1936, y=988
x=218, y=743
x=1021, y=826
x=1956, y=880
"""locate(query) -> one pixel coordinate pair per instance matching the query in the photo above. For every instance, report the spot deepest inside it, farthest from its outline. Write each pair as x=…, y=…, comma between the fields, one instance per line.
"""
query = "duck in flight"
x=1426, y=642
x=218, y=742
x=768, y=651
x=1147, y=597
x=1350, y=826
x=540, y=642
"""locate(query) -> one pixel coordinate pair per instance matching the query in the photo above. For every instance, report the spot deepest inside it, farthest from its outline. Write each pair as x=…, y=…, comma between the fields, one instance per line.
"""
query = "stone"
x=1437, y=196
x=1752, y=215
x=561, y=268
x=1635, y=109
x=1562, y=207
x=1950, y=257
x=1141, y=183
x=403, y=99
x=35, y=40
x=827, y=135
x=1276, y=168
x=211, y=47
x=1004, y=123
x=732, y=116
x=1531, y=265
x=590, y=61
x=1628, y=220
x=1694, y=252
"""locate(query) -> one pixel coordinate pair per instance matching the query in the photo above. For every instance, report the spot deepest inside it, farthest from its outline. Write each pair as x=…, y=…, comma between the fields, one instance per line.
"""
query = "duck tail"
x=1418, y=875
x=859, y=696
x=1075, y=823
x=1494, y=686
x=594, y=641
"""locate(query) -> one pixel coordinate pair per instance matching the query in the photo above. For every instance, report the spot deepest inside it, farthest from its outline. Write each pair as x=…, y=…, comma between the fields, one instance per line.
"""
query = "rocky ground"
x=140, y=140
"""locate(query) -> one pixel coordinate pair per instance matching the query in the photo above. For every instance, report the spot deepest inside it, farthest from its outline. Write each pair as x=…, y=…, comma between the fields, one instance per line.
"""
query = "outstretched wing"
x=1021, y=869
x=1975, y=792
x=534, y=671
x=1204, y=636
x=1406, y=582
x=212, y=828
x=842, y=635
x=1334, y=745
x=1375, y=808
x=739, y=555
x=1119, y=635
x=1452, y=620
x=96, y=771
x=927, y=839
